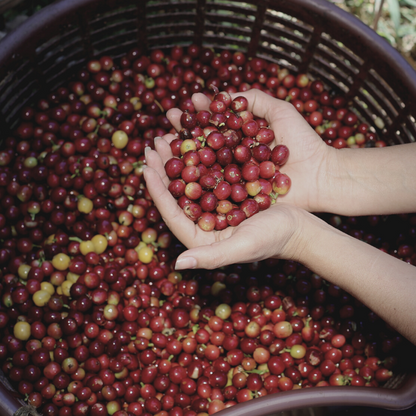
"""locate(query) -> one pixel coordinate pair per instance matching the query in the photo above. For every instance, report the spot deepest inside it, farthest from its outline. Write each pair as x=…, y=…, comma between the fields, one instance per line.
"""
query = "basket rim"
x=399, y=399
x=391, y=399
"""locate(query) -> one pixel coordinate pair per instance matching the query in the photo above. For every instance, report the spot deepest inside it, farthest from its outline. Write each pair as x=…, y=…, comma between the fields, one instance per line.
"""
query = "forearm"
x=384, y=283
x=370, y=181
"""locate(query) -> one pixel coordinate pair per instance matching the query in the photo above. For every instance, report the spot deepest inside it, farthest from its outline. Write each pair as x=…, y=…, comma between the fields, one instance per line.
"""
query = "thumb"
x=219, y=254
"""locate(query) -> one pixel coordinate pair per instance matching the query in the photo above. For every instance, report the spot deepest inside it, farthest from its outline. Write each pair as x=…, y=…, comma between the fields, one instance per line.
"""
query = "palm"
x=262, y=236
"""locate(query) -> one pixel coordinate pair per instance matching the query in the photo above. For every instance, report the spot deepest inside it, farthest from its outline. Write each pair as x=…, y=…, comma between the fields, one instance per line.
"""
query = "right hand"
x=310, y=157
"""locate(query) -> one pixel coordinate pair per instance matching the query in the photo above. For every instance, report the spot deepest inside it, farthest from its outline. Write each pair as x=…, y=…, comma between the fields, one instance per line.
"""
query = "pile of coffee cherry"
x=94, y=319
x=224, y=170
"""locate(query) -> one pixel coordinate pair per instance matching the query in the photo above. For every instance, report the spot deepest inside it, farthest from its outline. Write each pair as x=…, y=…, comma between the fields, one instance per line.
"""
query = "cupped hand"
x=310, y=158
x=273, y=233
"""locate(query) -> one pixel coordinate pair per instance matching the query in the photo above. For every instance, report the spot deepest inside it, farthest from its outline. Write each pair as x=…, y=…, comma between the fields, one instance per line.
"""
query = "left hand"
x=270, y=233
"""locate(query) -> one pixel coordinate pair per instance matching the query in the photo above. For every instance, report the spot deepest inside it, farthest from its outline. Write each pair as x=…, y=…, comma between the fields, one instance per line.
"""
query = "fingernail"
x=146, y=150
x=185, y=263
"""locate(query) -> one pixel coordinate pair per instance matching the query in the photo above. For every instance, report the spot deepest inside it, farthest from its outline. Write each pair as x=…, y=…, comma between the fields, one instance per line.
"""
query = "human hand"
x=310, y=158
x=273, y=233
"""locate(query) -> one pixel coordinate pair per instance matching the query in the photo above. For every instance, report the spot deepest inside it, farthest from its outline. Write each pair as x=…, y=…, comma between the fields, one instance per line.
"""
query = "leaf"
x=387, y=37
x=406, y=30
x=384, y=32
x=394, y=10
x=411, y=3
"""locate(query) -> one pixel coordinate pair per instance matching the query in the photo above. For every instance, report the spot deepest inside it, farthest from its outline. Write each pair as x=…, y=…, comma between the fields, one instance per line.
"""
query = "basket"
x=304, y=36
x=315, y=37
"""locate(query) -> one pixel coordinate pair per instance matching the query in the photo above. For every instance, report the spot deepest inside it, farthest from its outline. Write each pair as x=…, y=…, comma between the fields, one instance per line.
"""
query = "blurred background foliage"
x=395, y=20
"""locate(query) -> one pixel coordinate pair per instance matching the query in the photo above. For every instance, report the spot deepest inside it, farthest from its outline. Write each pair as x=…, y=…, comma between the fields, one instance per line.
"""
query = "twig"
x=378, y=15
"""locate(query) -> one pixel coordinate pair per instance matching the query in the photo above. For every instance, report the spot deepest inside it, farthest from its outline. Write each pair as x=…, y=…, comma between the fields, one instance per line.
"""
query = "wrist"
x=306, y=228
x=330, y=182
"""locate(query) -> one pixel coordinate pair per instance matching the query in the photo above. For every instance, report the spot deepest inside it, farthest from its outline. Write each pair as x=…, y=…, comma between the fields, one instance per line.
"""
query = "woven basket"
x=301, y=35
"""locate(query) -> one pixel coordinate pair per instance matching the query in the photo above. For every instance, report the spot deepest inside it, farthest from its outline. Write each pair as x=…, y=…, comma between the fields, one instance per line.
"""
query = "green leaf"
x=387, y=32
x=387, y=37
x=394, y=10
x=409, y=14
x=406, y=30
x=411, y=3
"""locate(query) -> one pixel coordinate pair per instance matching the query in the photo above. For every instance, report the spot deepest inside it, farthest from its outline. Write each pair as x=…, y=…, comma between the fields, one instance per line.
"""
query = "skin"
x=372, y=181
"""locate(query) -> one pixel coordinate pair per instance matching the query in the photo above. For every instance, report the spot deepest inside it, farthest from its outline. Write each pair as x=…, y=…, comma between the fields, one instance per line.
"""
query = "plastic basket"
x=302, y=35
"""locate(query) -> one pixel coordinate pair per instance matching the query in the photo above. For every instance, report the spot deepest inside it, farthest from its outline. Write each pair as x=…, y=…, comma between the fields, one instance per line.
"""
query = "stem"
x=160, y=106
x=77, y=239
x=256, y=371
x=378, y=15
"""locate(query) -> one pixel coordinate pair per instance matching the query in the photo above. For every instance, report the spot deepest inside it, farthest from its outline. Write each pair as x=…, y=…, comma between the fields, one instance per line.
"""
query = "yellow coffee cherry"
x=66, y=287
x=72, y=277
x=187, y=145
x=223, y=311
x=119, y=139
x=48, y=287
x=137, y=104
x=217, y=287
x=23, y=271
x=149, y=235
x=145, y=254
x=22, y=330
x=110, y=312
x=61, y=261
x=100, y=243
x=86, y=247
x=85, y=205
x=41, y=298
x=140, y=246
x=50, y=239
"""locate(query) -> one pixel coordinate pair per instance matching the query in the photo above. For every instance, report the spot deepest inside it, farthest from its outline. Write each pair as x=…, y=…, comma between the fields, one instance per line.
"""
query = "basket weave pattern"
x=300, y=35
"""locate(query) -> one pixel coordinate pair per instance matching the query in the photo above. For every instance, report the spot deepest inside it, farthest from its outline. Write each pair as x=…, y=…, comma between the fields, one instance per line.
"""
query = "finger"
x=174, y=116
x=169, y=137
x=259, y=103
x=163, y=149
x=265, y=106
x=200, y=101
x=281, y=115
x=183, y=228
x=155, y=162
x=231, y=250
